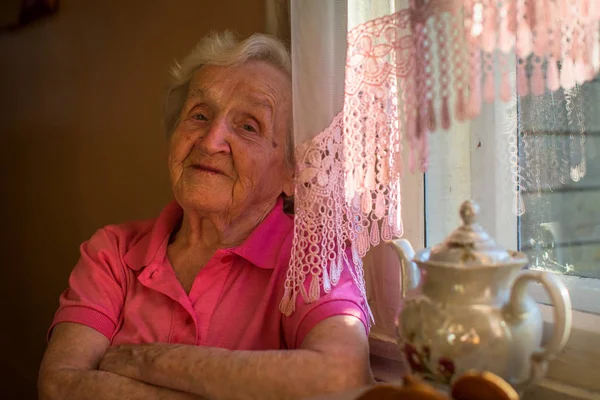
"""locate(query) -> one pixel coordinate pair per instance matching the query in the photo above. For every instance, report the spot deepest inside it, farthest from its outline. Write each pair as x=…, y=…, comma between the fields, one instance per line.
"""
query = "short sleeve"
x=96, y=291
x=343, y=299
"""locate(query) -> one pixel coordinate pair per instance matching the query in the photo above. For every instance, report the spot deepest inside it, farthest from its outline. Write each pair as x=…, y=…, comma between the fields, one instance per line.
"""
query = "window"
x=561, y=230
x=555, y=141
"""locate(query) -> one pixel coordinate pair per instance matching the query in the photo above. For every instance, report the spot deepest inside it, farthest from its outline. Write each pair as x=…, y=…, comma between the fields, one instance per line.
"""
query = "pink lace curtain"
x=372, y=77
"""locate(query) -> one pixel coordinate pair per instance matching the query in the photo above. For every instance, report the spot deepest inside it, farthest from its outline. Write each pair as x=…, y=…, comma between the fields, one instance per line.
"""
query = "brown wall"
x=81, y=144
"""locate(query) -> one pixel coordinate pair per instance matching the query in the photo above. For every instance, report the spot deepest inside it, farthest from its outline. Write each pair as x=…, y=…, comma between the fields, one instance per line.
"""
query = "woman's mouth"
x=207, y=169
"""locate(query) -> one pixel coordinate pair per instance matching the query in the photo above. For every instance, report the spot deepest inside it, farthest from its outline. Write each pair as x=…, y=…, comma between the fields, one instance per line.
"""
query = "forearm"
x=75, y=384
x=278, y=374
x=221, y=374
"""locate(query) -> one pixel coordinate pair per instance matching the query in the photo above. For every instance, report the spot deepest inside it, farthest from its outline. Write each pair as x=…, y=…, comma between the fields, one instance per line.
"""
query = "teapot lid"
x=470, y=245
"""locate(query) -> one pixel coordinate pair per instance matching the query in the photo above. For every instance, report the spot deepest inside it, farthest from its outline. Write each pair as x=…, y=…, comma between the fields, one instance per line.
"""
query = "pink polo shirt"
x=125, y=288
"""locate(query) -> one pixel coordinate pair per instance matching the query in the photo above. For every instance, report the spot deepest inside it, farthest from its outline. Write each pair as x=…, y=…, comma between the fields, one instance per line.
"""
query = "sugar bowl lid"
x=470, y=245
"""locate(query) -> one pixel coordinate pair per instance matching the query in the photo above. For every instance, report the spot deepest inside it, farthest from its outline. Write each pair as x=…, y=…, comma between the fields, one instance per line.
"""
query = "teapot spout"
x=409, y=273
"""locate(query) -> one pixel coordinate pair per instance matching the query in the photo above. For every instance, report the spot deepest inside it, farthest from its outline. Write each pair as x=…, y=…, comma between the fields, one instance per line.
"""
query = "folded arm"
x=69, y=371
x=333, y=357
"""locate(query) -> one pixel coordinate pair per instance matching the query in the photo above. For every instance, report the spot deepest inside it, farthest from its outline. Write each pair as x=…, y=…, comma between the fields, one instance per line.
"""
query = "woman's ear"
x=289, y=182
x=288, y=187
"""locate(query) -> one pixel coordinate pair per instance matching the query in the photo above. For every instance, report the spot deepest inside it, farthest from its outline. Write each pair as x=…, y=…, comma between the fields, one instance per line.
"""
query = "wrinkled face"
x=227, y=154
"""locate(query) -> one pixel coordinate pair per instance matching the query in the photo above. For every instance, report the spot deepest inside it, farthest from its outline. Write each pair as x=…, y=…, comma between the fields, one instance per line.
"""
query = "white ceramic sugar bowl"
x=472, y=310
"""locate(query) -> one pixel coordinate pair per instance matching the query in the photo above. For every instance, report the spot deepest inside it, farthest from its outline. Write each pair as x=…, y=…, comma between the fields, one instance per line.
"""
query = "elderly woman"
x=185, y=306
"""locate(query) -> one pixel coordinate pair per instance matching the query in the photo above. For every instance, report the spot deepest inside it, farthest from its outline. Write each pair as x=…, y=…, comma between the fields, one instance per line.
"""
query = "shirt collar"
x=261, y=248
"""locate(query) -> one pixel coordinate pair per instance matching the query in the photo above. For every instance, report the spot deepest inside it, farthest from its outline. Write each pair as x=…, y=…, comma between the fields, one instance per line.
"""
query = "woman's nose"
x=215, y=138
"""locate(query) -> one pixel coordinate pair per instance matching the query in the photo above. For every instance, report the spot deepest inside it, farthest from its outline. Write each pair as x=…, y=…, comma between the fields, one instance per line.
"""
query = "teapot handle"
x=409, y=273
x=562, y=317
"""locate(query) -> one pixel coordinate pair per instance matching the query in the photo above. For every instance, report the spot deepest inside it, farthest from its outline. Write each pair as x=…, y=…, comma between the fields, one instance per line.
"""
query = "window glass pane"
x=559, y=152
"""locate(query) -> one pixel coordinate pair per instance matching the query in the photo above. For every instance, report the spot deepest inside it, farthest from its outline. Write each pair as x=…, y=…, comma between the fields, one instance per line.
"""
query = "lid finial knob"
x=469, y=210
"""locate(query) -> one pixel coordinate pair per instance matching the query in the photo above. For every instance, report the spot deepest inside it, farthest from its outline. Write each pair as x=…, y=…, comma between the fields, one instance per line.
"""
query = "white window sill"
x=579, y=363
x=553, y=390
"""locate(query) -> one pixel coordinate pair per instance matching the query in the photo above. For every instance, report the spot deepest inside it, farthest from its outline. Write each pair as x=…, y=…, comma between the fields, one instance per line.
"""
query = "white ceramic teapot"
x=472, y=311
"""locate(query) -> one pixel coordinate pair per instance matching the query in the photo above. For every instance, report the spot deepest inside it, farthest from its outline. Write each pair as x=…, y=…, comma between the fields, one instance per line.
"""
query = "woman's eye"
x=249, y=128
x=199, y=117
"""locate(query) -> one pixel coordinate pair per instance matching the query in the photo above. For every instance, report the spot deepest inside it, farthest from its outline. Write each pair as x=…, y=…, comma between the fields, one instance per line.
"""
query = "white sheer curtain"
x=319, y=62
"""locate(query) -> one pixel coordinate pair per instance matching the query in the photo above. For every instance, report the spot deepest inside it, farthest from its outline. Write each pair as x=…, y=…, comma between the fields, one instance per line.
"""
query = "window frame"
x=574, y=371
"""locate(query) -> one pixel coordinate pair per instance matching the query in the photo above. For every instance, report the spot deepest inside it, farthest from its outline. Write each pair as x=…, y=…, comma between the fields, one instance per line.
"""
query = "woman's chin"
x=205, y=201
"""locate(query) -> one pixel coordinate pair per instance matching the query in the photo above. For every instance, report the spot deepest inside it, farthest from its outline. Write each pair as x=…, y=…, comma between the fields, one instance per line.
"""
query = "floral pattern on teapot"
x=420, y=361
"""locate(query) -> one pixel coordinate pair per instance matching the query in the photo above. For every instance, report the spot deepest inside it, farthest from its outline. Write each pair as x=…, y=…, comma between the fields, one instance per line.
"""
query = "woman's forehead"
x=257, y=81
x=252, y=98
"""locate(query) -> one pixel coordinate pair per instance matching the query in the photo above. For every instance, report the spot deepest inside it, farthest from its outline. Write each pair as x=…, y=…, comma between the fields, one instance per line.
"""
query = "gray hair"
x=226, y=50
